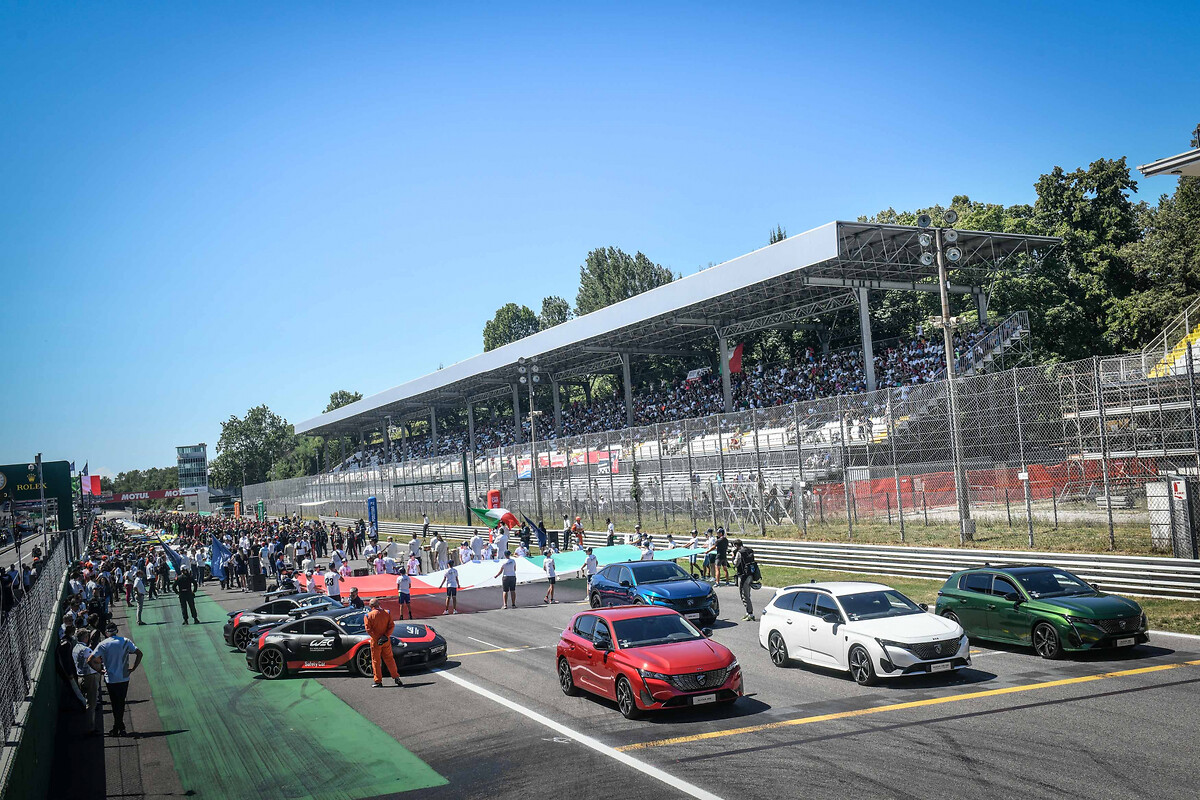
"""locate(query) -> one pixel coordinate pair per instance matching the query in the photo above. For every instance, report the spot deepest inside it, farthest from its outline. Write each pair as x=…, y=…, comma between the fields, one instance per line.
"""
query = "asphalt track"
x=494, y=723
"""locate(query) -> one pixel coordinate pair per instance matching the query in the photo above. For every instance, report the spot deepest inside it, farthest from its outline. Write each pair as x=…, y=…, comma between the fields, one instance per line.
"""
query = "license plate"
x=701, y=699
x=942, y=666
x=1126, y=642
x=692, y=616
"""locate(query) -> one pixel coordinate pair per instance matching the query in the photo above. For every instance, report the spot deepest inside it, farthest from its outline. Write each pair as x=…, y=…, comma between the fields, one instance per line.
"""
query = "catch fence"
x=1060, y=456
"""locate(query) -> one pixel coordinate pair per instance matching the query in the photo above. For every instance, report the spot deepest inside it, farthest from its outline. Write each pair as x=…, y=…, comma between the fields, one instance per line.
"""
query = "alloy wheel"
x=594, y=600
x=565, y=681
x=1045, y=641
x=362, y=661
x=778, y=649
x=860, y=667
x=270, y=663
x=625, y=701
x=241, y=638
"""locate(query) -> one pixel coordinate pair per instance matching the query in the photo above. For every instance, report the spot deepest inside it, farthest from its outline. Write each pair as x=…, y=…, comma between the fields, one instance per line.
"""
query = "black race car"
x=337, y=639
x=281, y=609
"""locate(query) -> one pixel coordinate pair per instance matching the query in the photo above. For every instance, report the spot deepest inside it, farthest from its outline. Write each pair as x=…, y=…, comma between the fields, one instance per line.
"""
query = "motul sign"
x=122, y=497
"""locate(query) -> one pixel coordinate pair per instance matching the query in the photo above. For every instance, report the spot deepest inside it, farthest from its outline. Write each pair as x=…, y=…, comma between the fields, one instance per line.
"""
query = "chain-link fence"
x=1055, y=457
x=23, y=629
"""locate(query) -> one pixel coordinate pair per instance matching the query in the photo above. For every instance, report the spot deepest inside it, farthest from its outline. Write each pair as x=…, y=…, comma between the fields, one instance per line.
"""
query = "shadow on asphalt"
x=156, y=734
x=742, y=707
x=1114, y=654
x=965, y=676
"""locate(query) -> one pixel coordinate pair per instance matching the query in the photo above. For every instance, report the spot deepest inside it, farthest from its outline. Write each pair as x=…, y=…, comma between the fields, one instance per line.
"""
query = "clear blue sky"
x=208, y=206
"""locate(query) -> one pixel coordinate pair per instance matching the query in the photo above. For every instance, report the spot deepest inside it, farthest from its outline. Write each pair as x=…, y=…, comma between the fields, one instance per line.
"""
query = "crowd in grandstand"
x=901, y=364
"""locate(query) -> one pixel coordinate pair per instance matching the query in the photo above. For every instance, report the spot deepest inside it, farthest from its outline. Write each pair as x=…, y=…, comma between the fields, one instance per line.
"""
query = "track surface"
x=494, y=722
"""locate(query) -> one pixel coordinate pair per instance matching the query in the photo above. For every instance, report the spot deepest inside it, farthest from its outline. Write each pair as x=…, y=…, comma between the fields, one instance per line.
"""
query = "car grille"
x=1123, y=625
x=927, y=651
x=699, y=681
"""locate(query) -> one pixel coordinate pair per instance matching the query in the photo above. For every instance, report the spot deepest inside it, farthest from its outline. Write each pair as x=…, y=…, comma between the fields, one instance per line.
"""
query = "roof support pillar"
x=471, y=428
x=628, y=389
x=557, y=408
x=864, y=328
x=587, y=392
x=726, y=386
x=433, y=430
x=982, y=299
x=517, y=439
x=387, y=439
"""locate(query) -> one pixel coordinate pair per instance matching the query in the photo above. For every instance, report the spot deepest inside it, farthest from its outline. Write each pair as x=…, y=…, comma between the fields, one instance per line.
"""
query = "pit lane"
x=494, y=723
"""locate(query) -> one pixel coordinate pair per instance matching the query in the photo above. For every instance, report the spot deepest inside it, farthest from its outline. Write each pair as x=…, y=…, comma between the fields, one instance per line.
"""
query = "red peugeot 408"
x=645, y=658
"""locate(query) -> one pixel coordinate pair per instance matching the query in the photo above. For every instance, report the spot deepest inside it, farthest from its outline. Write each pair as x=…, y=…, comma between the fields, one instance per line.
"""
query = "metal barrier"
x=1140, y=575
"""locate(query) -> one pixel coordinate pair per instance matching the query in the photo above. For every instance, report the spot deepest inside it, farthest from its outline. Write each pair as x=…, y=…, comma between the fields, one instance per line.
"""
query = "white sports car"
x=870, y=630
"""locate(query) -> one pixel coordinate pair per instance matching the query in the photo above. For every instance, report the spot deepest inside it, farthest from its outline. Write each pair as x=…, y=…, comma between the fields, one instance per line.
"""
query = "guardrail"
x=1140, y=575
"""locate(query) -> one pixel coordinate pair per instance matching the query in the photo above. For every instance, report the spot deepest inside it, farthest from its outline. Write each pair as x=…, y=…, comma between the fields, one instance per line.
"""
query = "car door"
x=794, y=611
x=605, y=583
x=604, y=674
x=625, y=590
x=825, y=642
x=320, y=637
x=972, y=600
x=581, y=654
x=1007, y=618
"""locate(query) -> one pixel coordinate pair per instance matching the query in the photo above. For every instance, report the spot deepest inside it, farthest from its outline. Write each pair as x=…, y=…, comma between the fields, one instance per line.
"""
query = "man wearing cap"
x=379, y=627
x=110, y=657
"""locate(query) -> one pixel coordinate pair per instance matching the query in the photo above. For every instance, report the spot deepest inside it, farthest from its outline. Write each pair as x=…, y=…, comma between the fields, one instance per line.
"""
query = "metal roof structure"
x=1183, y=164
x=804, y=276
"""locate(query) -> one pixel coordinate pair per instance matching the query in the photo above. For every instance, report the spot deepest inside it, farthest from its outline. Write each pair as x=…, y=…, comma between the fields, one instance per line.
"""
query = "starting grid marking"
x=954, y=698
x=501, y=650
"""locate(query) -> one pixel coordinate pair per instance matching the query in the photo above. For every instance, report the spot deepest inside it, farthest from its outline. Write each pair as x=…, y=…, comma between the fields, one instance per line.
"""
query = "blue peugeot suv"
x=657, y=583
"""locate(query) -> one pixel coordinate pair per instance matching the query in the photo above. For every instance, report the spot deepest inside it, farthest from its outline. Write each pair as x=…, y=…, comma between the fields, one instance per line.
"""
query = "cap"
x=111, y=628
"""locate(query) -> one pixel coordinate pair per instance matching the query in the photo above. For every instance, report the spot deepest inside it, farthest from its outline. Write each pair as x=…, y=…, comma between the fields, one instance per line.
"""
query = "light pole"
x=940, y=238
x=529, y=374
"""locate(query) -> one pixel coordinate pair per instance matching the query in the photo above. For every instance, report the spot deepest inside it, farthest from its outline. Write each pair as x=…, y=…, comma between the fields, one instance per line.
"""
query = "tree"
x=341, y=398
x=777, y=235
x=511, y=322
x=555, y=311
x=610, y=275
x=248, y=447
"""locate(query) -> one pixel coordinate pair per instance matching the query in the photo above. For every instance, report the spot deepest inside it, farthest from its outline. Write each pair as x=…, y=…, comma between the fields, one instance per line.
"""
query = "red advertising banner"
x=158, y=494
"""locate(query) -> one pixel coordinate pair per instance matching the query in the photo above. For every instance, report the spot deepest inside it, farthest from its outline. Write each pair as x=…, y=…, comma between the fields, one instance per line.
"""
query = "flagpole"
x=42, y=492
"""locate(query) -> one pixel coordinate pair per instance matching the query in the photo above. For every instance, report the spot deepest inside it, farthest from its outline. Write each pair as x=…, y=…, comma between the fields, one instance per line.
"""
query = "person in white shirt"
x=508, y=580
x=477, y=546
x=522, y=551
x=612, y=533
x=590, y=567
x=333, y=583
x=403, y=589
x=369, y=552
x=464, y=553
x=551, y=571
x=450, y=581
x=389, y=565
x=414, y=547
x=441, y=551
x=379, y=566
x=648, y=549
x=339, y=558
x=501, y=542
x=345, y=571
x=670, y=545
x=414, y=565
x=139, y=594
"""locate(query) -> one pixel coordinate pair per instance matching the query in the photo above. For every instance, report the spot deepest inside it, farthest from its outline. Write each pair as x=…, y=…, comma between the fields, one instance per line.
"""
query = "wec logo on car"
x=322, y=644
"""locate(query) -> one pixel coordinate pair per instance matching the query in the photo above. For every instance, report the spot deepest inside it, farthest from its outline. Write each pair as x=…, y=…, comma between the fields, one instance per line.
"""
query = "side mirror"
x=923, y=606
x=604, y=644
x=707, y=632
x=626, y=585
x=832, y=619
x=1095, y=586
x=1012, y=597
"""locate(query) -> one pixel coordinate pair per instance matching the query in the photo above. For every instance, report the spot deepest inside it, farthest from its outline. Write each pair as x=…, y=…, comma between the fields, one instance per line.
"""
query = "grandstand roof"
x=806, y=275
x=1183, y=164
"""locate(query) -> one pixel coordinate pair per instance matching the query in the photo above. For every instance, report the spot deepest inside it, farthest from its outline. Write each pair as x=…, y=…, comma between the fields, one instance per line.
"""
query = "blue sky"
x=208, y=206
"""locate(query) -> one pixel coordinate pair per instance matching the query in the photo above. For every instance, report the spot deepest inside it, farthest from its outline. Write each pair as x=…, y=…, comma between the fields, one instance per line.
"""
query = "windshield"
x=657, y=629
x=658, y=572
x=1053, y=583
x=877, y=605
x=353, y=623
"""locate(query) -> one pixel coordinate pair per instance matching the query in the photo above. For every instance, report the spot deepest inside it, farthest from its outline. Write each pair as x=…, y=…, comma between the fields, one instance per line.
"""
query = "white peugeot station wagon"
x=870, y=630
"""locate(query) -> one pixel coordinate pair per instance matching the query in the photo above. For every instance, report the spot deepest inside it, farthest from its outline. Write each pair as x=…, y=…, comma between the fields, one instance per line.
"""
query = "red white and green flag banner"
x=494, y=517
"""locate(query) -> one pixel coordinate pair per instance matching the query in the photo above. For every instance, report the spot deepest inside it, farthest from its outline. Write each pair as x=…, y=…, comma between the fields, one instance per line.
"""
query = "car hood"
x=680, y=657
x=909, y=628
x=676, y=590
x=1097, y=606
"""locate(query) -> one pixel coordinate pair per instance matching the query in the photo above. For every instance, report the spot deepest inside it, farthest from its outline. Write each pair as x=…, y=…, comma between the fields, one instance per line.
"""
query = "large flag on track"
x=176, y=559
x=494, y=517
x=220, y=555
x=538, y=531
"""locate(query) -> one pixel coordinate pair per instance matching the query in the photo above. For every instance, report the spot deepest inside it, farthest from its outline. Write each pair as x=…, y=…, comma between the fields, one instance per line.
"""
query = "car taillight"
x=236, y=618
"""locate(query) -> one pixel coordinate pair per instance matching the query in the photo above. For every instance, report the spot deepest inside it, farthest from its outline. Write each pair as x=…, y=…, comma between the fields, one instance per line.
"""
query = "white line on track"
x=587, y=741
x=489, y=644
x=1180, y=635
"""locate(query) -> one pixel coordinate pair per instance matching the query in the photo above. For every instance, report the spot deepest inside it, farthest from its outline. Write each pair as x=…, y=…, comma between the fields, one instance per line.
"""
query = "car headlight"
x=1081, y=620
x=733, y=665
x=1145, y=622
x=658, y=676
x=885, y=643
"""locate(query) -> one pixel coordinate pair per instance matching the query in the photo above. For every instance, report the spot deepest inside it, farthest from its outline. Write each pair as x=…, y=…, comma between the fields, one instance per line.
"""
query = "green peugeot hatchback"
x=1046, y=607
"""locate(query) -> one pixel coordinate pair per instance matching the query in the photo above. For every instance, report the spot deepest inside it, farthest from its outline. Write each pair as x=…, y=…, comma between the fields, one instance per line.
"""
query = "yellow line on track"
x=902, y=706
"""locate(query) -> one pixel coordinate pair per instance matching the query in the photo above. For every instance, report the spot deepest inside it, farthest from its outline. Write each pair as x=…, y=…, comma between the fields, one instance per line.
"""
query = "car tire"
x=565, y=681
x=241, y=637
x=626, y=702
x=272, y=664
x=594, y=600
x=362, y=661
x=861, y=668
x=777, y=648
x=950, y=615
x=1046, y=642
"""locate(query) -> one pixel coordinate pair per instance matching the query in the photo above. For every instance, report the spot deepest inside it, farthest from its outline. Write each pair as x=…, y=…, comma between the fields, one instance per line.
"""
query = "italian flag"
x=494, y=517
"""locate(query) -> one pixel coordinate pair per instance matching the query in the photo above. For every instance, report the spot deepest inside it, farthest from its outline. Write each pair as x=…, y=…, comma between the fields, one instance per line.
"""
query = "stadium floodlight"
x=953, y=254
x=950, y=216
x=950, y=236
x=924, y=240
x=521, y=360
x=924, y=221
x=926, y=259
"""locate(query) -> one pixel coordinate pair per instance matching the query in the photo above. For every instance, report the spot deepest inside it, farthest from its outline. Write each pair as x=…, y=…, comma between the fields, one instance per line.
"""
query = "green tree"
x=777, y=235
x=341, y=398
x=555, y=311
x=511, y=322
x=304, y=459
x=610, y=275
x=249, y=446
